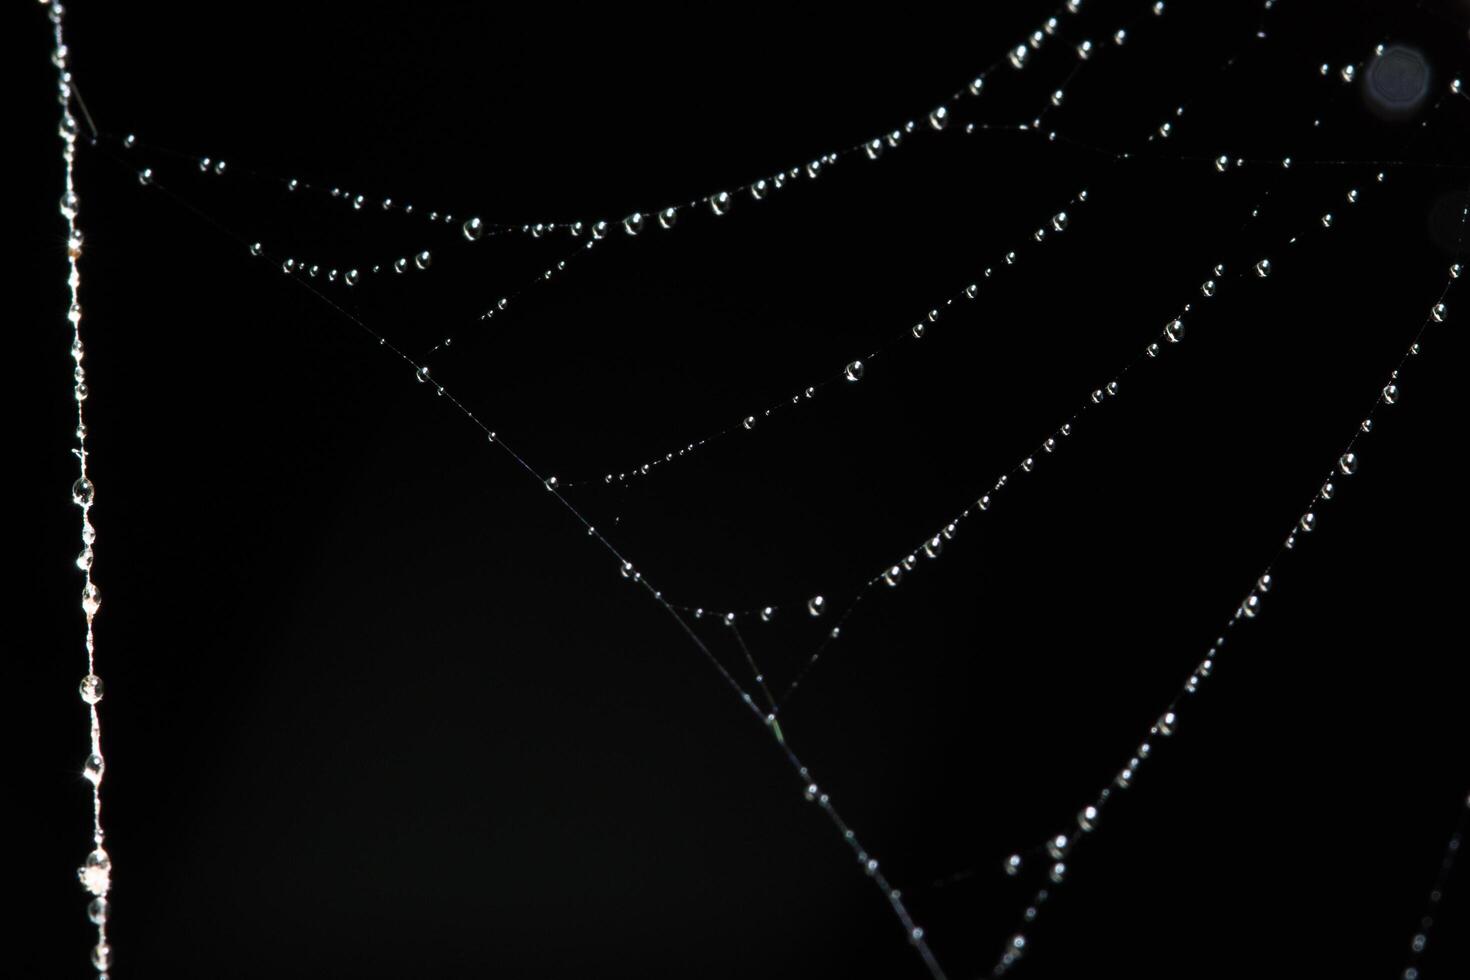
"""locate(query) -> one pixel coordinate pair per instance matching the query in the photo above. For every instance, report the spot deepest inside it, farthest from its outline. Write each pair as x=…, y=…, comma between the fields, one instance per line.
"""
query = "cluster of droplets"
x=1172, y=333
x=666, y=217
x=95, y=874
x=1058, y=847
x=1419, y=941
x=852, y=371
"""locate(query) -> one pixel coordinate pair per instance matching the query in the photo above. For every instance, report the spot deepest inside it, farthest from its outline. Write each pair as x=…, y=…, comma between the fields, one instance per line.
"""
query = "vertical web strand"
x=95, y=873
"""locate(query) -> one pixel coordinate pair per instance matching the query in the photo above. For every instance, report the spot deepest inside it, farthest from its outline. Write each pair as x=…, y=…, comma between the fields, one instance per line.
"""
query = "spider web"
x=1265, y=213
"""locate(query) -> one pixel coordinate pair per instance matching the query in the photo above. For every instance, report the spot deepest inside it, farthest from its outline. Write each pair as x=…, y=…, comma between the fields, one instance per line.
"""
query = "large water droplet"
x=816, y=605
x=1174, y=331
x=1263, y=268
x=90, y=688
x=473, y=229
x=853, y=371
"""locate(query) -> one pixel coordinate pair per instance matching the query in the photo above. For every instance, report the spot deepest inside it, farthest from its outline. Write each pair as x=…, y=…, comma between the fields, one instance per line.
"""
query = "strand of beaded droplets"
x=96, y=871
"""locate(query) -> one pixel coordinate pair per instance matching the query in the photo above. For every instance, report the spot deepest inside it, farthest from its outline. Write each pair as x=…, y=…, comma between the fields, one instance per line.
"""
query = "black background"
x=377, y=707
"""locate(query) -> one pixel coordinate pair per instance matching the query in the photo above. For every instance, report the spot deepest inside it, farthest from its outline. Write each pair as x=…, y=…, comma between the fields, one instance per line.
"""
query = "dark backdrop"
x=376, y=707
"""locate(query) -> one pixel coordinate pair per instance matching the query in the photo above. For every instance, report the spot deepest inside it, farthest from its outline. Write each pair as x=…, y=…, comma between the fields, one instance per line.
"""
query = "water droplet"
x=1438, y=313
x=1348, y=73
x=1174, y=331
x=83, y=492
x=552, y=483
x=1456, y=270
x=422, y=373
x=1347, y=464
x=98, y=910
x=1263, y=268
x=633, y=223
x=893, y=576
x=1222, y=163
x=1058, y=846
x=1087, y=819
x=933, y=546
x=853, y=371
x=352, y=277
x=939, y=118
x=1084, y=50
x=1251, y=606
x=1352, y=196
x=667, y=217
x=977, y=85
x=1018, y=56
x=1124, y=779
x=918, y=330
x=145, y=176
x=90, y=688
x=93, y=768
x=1308, y=523
x=816, y=605
x=400, y=265
x=423, y=259
x=767, y=613
x=1167, y=723
x=91, y=599
x=472, y=228
x=1013, y=865
x=101, y=956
